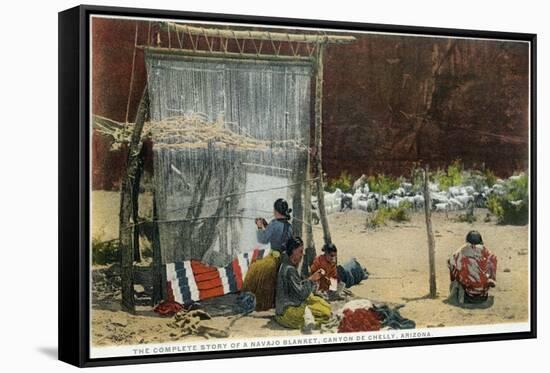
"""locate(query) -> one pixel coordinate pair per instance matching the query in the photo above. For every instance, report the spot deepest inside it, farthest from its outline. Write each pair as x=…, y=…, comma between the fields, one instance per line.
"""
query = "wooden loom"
x=314, y=45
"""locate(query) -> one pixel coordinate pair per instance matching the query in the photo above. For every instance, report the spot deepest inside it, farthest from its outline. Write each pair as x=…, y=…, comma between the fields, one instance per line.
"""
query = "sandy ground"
x=396, y=257
x=105, y=210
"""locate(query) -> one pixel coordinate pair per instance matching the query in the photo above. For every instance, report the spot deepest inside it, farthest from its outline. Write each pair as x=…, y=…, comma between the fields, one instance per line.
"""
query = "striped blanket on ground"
x=192, y=281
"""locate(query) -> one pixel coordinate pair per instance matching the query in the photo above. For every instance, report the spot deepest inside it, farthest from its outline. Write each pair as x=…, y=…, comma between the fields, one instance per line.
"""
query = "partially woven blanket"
x=191, y=281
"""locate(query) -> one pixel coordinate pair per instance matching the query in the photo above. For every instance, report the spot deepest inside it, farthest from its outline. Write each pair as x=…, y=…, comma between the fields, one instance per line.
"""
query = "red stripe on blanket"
x=238, y=274
x=209, y=284
x=206, y=276
x=254, y=255
x=169, y=292
x=199, y=268
x=210, y=293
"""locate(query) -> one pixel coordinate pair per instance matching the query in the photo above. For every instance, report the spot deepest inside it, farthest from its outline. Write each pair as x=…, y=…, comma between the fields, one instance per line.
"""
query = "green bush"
x=513, y=206
x=466, y=218
x=399, y=214
x=474, y=178
x=490, y=178
x=417, y=180
x=451, y=177
x=105, y=252
x=382, y=183
x=379, y=217
x=343, y=182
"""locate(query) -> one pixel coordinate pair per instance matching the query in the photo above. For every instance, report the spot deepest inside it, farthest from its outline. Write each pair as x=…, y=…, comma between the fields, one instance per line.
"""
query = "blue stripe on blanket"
x=181, y=274
x=231, y=278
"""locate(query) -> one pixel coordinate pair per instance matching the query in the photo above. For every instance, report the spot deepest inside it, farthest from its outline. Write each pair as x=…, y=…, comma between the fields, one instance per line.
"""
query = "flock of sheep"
x=455, y=198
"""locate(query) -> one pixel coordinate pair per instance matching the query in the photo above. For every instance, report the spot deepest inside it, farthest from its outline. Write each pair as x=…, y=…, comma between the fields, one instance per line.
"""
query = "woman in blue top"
x=261, y=278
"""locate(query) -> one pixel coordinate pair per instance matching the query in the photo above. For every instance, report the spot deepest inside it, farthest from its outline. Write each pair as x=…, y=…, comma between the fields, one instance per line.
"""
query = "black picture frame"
x=74, y=181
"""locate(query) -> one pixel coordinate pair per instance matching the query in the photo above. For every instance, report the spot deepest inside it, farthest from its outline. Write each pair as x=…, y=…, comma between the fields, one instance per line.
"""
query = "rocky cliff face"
x=392, y=101
x=389, y=101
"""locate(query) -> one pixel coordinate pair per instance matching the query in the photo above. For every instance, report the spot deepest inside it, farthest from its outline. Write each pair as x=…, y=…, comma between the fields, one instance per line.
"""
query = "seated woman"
x=295, y=305
x=473, y=271
x=326, y=262
x=261, y=278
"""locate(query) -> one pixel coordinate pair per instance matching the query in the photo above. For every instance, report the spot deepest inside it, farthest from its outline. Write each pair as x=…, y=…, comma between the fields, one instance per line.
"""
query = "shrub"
x=513, y=206
x=490, y=178
x=382, y=184
x=343, y=182
x=105, y=252
x=494, y=205
x=474, y=178
x=379, y=218
x=399, y=214
x=466, y=218
x=451, y=177
x=417, y=180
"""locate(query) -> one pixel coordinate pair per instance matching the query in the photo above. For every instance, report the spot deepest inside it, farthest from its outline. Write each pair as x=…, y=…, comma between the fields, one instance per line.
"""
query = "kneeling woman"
x=261, y=277
x=294, y=297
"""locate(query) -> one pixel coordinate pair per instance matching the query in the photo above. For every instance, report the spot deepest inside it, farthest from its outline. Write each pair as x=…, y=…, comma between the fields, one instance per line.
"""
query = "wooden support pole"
x=297, y=211
x=135, y=200
x=319, y=142
x=158, y=283
x=173, y=53
x=431, y=240
x=126, y=222
x=257, y=35
x=297, y=201
x=310, y=252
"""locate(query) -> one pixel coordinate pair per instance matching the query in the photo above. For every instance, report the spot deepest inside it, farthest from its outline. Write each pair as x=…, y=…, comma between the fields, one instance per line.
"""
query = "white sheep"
x=356, y=198
x=365, y=205
x=470, y=190
x=433, y=187
x=439, y=197
x=455, y=204
x=464, y=200
x=394, y=202
x=498, y=189
x=372, y=204
x=441, y=207
x=399, y=192
x=454, y=191
x=407, y=186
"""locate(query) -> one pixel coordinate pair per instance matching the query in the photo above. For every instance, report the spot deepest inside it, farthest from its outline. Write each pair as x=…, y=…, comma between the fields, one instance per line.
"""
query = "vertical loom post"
x=309, y=253
x=158, y=283
x=297, y=206
x=319, y=142
x=431, y=241
x=126, y=222
x=135, y=200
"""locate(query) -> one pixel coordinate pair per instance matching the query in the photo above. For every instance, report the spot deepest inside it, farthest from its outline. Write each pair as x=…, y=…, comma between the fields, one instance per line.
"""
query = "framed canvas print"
x=233, y=186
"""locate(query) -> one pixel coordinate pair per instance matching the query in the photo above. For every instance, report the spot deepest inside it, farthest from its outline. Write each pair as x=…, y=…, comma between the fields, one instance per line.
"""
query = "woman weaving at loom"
x=261, y=278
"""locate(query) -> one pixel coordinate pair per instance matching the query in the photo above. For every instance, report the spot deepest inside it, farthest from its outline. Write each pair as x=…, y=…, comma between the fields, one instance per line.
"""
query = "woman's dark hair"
x=281, y=206
x=329, y=248
x=292, y=244
x=474, y=238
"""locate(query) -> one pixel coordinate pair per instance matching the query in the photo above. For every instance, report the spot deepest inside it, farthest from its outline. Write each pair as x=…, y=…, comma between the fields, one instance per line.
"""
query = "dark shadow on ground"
x=472, y=306
x=274, y=325
x=424, y=297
